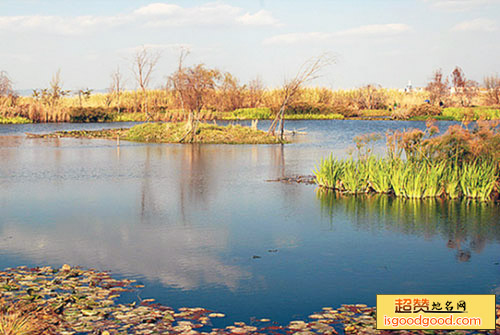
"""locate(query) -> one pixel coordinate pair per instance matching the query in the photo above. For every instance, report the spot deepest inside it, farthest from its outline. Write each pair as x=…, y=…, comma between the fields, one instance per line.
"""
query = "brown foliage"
x=371, y=97
x=464, y=89
x=492, y=84
x=460, y=143
x=25, y=318
x=437, y=87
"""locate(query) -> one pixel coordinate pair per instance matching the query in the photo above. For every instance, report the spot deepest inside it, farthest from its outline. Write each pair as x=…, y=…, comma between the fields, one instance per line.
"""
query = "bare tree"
x=255, y=92
x=371, y=97
x=116, y=88
x=309, y=71
x=437, y=87
x=492, y=84
x=145, y=61
x=463, y=88
x=194, y=86
x=55, y=91
x=84, y=95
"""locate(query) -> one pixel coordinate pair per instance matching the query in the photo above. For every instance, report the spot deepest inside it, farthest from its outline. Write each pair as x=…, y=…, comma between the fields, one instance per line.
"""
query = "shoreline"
x=360, y=118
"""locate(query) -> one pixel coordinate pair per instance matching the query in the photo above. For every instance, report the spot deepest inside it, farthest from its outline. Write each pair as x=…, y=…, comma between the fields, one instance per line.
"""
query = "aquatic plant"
x=433, y=176
x=478, y=179
x=329, y=172
x=355, y=177
x=379, y=172
x=413, y=180
x=397, y=177
x=451, y=181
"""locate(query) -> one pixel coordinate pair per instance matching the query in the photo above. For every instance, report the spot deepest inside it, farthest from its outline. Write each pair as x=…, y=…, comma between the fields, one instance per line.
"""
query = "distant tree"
x=193, y=86
x=5, y=85
x=145, y=61
x=438, y=87
x=492, y=85
x=371, y=97
x=463, y=88
x=232, y=93
x=255, y=92
x=116, y=88
x=309, y=71
x=84, y=95
x=55, y=91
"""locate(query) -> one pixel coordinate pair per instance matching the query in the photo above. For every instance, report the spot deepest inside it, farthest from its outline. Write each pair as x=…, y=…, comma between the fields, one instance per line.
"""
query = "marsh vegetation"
x=462, y=162
x=225, y=97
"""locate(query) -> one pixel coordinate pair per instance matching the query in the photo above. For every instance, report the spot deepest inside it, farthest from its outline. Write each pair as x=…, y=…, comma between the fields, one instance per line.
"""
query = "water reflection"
x=466, y=226
x=134, y=213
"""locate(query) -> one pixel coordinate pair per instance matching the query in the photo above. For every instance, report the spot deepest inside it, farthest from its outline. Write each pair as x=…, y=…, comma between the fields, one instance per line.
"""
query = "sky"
x=385, y=42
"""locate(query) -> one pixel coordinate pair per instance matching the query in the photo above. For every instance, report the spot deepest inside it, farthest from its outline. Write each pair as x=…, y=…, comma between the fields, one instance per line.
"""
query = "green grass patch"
x=248, y=114
x=14, y=120
x=471, y=113
x=129, y=117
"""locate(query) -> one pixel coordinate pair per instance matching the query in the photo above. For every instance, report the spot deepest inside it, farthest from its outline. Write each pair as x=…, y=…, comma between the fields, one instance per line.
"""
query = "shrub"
x=90, y=114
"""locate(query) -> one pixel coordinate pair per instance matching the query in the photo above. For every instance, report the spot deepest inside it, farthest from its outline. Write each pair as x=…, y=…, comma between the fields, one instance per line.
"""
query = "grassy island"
x=175, y=133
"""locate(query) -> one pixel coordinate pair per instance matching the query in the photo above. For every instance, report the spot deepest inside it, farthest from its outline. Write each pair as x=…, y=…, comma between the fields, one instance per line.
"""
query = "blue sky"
x=386, y=42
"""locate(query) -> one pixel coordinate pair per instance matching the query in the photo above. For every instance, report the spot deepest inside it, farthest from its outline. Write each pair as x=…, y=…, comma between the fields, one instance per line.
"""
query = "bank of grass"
x=461, y=163
x=14, y=120
x=175, y=132
x=472, y=113
x=266, y=114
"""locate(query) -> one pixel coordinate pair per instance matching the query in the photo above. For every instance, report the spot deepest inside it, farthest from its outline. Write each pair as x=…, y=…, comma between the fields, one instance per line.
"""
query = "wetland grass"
x=459, y=163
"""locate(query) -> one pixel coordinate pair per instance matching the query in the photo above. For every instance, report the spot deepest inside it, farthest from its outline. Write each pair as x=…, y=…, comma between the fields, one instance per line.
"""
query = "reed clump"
x=464, y=162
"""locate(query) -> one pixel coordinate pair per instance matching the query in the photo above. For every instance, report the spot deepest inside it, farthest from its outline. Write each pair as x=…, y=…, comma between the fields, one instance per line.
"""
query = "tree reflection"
x=466, y=226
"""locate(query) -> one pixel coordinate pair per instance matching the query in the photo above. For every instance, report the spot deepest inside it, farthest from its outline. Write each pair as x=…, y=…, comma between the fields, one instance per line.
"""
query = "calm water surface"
x=187, y=221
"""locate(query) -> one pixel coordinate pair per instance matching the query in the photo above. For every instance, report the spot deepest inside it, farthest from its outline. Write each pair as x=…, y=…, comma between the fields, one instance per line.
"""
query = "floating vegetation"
x=75, y=301
x=460, y=163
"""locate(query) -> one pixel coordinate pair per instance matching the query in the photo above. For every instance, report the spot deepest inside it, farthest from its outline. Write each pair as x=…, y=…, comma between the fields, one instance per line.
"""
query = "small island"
x=175, y=132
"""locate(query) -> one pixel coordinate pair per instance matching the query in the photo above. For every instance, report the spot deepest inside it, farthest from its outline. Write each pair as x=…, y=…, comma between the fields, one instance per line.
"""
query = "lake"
x=202, y=225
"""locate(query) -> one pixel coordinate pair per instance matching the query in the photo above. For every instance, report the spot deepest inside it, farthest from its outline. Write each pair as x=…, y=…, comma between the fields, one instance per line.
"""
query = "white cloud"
x=296, y=38
x=58, y=24
x=375, y=30
x=152, y=15
x=480, y=25
x=460, y=5
x=260, y=18
x=156, y=9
